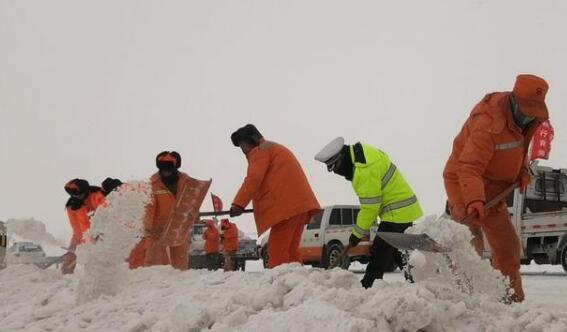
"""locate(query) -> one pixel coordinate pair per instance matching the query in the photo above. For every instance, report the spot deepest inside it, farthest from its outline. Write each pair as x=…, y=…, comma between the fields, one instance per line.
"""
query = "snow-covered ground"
x=290, y=298
x=103, y=295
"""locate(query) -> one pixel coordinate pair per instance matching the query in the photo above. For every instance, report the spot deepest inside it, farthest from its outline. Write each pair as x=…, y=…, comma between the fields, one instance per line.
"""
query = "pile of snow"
x=117, y=227
x=461, y=267
x=288, y=298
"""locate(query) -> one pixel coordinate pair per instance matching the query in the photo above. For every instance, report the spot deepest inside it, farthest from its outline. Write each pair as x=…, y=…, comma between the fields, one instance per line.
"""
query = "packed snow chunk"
x=312, y=315
x=115, y=229
x=461, y=266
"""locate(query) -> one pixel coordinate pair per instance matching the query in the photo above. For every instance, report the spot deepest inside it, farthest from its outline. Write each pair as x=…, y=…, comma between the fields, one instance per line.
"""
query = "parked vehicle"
x=247, y=250
x=3, y=244
x=325, y=237
x=540, y=217
x=25, y=253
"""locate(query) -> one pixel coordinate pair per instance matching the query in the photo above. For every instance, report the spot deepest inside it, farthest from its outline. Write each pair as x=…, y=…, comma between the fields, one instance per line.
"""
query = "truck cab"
x=539, y=216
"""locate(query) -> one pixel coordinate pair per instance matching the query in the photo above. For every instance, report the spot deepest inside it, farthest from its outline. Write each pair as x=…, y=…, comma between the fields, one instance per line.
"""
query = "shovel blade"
x=404, y=241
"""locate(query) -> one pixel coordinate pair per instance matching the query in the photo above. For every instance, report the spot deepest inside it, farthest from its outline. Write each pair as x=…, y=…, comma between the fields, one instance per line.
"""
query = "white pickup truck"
x=540, y=217
x=326, y=235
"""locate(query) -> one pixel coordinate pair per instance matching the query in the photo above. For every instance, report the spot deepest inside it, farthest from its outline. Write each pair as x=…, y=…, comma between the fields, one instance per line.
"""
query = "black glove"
x=109, y=184
x=353, y=240
x=236, y=210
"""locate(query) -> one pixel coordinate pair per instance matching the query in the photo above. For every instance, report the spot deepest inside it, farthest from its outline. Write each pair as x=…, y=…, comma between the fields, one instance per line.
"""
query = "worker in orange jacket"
x=489, y=155
x=230, y=244
x=84, y=200
x=165, y=184
x=211, y=235
x=278, y=188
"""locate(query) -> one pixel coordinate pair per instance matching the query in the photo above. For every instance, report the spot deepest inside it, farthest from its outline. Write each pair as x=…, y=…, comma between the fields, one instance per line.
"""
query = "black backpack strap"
x=359, y=153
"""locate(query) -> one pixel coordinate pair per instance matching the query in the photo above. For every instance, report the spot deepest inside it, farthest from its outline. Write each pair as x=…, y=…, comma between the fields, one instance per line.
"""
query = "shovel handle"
x=495, y=200
x=340, y=258
x=221, y=213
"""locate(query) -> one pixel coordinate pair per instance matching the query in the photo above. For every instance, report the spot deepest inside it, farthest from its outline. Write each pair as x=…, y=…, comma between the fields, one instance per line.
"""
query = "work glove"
x=236, y=210
x=478, y=208
x=354, y=240
x=524, y=181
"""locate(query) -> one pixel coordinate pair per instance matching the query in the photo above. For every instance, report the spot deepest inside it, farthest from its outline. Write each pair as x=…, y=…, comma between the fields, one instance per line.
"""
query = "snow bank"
x=288, y=298
x=117, y=228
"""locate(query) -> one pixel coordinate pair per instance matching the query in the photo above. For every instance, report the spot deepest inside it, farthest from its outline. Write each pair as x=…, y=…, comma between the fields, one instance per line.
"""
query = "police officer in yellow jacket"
x=382, y=191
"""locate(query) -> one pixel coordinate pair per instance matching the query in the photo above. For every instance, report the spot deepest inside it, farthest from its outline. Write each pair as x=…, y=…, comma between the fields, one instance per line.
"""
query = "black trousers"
x=382, y=255
x=212, y=261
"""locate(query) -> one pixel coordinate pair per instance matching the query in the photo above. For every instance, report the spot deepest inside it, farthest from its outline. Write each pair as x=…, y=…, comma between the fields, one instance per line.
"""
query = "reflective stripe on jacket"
x=381, y=189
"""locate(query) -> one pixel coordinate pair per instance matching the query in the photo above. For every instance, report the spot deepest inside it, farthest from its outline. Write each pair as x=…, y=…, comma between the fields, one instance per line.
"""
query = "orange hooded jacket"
x=230, y=237
x=276, y=185
x=489, y=154
x=80, y=218
x=212, y=238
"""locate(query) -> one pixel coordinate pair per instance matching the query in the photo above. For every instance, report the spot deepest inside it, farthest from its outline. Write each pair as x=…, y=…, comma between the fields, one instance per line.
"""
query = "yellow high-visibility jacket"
x=381, y=189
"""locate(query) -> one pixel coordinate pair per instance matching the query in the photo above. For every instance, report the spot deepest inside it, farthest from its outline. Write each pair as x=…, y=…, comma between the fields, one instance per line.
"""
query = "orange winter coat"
x=161, y=205
x=212, y=239
x=489, y=154
x=80, y=218
x=230, y=238
x=276, y=185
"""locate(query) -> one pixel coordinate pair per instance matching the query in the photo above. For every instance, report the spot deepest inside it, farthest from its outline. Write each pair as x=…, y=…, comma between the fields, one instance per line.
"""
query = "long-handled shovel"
x=424, y=242
x=221, y=213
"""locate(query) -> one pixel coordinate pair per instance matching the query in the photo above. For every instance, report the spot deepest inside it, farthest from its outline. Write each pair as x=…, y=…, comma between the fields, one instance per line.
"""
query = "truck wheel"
x=564, y=258
x=332, y=253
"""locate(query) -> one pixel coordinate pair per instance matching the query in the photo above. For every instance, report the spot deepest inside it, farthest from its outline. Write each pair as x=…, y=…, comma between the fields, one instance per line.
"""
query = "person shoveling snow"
x=489, y=155
x=383, y=192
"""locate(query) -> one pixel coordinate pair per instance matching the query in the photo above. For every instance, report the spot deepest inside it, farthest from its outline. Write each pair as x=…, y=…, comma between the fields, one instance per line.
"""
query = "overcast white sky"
x=93, y=89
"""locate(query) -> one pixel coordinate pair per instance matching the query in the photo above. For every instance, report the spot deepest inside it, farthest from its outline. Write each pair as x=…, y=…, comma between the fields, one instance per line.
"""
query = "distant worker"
x=489, y=155
x=230, y=244
x=84, y=200
x=382, y=191
x=280, y=193
x=211, y=235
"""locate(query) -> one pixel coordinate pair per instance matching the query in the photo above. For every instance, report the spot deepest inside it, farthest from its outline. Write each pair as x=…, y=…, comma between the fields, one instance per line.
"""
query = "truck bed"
x=545, y=223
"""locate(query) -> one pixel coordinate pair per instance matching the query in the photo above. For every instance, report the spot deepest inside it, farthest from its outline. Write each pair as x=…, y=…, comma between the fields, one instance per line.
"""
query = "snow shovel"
x=50, y=261
x=340, y=258
x=221, y=213
x=424, y=242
